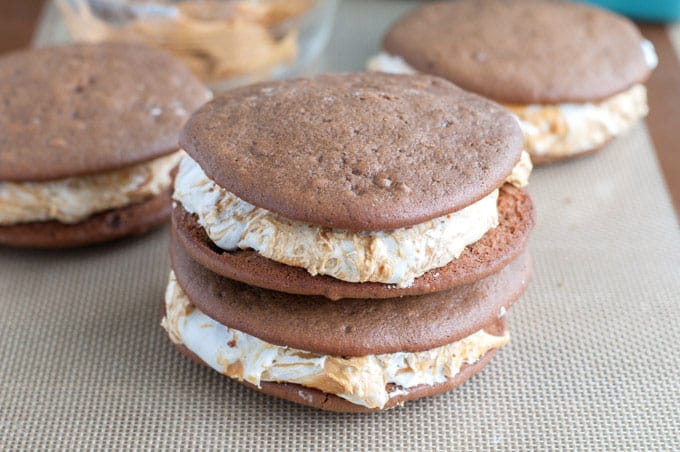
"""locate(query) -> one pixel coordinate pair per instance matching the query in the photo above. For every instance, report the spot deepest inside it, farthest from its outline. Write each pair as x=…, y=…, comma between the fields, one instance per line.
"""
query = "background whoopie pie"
x=573, y=74
x=348, y=241
x=88, y=139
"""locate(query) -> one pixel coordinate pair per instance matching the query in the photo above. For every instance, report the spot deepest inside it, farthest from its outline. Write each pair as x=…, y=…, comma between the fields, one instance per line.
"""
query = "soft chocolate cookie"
x=495, y=250
x=522, y=51
x=353, y=327
x=86, y=108
x=359, y=152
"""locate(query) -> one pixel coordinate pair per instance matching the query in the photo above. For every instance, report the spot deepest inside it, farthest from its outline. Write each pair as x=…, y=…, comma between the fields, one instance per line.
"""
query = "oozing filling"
x=567, y=128
x=73, y=199
x=369, y=380
x=391, y=257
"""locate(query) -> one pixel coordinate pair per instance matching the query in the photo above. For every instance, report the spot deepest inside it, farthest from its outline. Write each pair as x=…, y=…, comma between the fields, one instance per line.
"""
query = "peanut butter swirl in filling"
x=391, y=257
x=73, y=199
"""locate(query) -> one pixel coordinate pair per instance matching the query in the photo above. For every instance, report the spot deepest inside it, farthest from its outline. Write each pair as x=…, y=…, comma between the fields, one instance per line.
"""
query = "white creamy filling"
x=391, y=257
x=393, y=64
x=651, y=58
x=566, y=128
x=74, y=199
x=519, y=177
x=361, y=380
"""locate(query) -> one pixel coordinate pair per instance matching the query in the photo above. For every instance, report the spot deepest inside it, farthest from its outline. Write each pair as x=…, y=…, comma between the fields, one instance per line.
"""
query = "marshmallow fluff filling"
x=567, y=128
x=369, y=380
x=74, y=199
x=390, y=257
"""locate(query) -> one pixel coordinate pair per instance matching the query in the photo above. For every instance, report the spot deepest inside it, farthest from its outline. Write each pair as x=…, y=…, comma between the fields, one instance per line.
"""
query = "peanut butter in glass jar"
x=225, y=42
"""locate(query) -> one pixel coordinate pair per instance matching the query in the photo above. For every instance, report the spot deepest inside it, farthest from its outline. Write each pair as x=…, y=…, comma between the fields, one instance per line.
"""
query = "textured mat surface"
x=593, y=362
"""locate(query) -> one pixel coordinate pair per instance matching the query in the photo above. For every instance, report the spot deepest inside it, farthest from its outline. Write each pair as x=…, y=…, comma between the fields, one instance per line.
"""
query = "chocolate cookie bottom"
x=328, y=402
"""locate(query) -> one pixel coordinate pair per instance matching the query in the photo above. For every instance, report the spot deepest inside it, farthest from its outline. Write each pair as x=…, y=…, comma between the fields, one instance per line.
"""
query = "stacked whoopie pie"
x=572, y=73
x=88, y=141
x=348, y=242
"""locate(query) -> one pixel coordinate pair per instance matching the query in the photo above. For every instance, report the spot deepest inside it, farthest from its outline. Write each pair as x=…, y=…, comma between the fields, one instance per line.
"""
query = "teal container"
x=649, y=10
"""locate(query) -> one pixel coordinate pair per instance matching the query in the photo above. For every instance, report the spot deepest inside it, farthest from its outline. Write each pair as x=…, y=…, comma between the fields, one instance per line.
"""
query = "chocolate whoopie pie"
x=353, y=186
x=573, y=74
x=88, y=138
x=348, y=242
x=352, y=356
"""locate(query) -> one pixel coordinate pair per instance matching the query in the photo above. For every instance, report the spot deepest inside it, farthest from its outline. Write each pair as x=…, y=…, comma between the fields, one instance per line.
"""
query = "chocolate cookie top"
x=354, y=327
x=522, y=51
x=362, y=151
x=86, y=108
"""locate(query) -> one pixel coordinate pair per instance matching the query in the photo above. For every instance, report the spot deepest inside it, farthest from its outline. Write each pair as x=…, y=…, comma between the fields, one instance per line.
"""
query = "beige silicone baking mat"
x=594, y=361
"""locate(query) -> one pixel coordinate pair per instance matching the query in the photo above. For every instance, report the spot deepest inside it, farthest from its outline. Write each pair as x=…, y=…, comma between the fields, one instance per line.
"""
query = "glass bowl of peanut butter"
x=227, y=43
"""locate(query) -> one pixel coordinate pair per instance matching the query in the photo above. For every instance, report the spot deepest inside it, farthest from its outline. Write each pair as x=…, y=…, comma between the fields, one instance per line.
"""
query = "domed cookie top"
x=87, y=108
x=360, y=151
x=522, y=51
